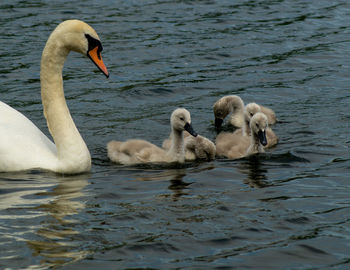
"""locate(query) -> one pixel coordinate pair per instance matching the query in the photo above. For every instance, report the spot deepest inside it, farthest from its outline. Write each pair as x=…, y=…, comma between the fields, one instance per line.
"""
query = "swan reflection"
x=56, y=236
x=256, y=175
x=174, y=176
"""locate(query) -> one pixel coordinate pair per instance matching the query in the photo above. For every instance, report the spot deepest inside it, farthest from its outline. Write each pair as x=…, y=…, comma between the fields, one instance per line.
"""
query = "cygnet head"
x=225, y=106
x=78, y=36
x=181, y=120
x=250, y=110
x=258, y=125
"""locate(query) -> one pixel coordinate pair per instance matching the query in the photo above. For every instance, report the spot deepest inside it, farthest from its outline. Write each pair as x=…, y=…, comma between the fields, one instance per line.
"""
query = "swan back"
x=270, y=114
x=199, y=148
x=22, y=145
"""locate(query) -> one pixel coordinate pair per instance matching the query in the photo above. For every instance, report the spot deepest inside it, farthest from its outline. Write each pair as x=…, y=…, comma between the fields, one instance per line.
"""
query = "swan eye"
x=182, y=119
x=93, y=43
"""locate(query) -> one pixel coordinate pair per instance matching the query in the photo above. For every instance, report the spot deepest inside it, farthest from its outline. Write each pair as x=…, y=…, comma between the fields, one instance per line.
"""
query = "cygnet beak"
x=262, y=137
x=218, y=123
x=188, y=127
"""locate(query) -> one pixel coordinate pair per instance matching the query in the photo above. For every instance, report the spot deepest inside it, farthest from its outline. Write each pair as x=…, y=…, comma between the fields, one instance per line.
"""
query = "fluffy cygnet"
x=236, y=145
x=229, y=105
x=136, y=151
x=199, y=148
x=270, y=114
x=195, y=147
x=250, y=110
x=234, y=105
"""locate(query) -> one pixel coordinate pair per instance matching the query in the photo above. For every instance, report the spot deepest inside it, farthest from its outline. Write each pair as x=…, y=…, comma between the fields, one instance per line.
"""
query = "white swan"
x=136, y=151
x=22, y=145
x=236, y=145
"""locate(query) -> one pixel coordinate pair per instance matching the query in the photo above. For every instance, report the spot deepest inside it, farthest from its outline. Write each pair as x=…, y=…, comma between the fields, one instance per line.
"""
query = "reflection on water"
x=177, y=185
x=56, y=232
x=52, y=206
x=292, y=56
x=256, y=174
x=175, y=177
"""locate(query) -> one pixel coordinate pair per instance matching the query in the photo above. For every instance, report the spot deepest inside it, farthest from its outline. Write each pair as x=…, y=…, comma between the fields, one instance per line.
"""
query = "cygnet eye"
x=251, y=114
x=182, y=119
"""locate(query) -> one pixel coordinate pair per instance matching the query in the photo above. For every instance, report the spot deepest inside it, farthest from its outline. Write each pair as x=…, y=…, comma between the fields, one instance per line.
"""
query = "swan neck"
x=246, y=129
x=71, y=149
x=237, y=109
x=255, y=146
x=237, y=104
x=177, y=145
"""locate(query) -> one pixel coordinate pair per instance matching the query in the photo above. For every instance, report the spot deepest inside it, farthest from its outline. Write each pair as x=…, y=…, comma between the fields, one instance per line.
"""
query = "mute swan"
x=236, y=145
x=22, y=145
x=229, y=105
x=250, y=110
x=140, y=151
x=197, y=147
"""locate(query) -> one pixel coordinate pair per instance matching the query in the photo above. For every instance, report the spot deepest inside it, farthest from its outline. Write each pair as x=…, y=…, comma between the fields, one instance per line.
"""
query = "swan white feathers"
x=22, y=145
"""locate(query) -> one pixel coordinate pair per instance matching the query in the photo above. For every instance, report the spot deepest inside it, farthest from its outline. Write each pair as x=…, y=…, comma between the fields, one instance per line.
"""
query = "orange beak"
x=95, y=56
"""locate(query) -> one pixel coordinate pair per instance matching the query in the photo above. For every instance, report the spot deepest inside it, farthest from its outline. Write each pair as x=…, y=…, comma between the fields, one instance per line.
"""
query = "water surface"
x=285, y=209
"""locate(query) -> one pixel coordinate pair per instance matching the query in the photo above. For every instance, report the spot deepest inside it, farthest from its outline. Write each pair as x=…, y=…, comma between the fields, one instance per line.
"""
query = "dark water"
x=286, y=209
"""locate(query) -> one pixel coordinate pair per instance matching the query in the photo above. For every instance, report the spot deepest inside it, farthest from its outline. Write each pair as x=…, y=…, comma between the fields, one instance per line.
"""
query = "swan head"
x=80, y=37
x=181, y=120
x=258, y=125
x=225, y=106
x=250, y=110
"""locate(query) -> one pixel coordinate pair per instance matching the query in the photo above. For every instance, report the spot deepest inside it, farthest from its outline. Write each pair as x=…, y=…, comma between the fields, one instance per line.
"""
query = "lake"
x=288, y=208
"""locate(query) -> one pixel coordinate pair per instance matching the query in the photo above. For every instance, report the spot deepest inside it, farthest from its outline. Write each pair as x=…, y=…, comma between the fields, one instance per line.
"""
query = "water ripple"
x=284, y=209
